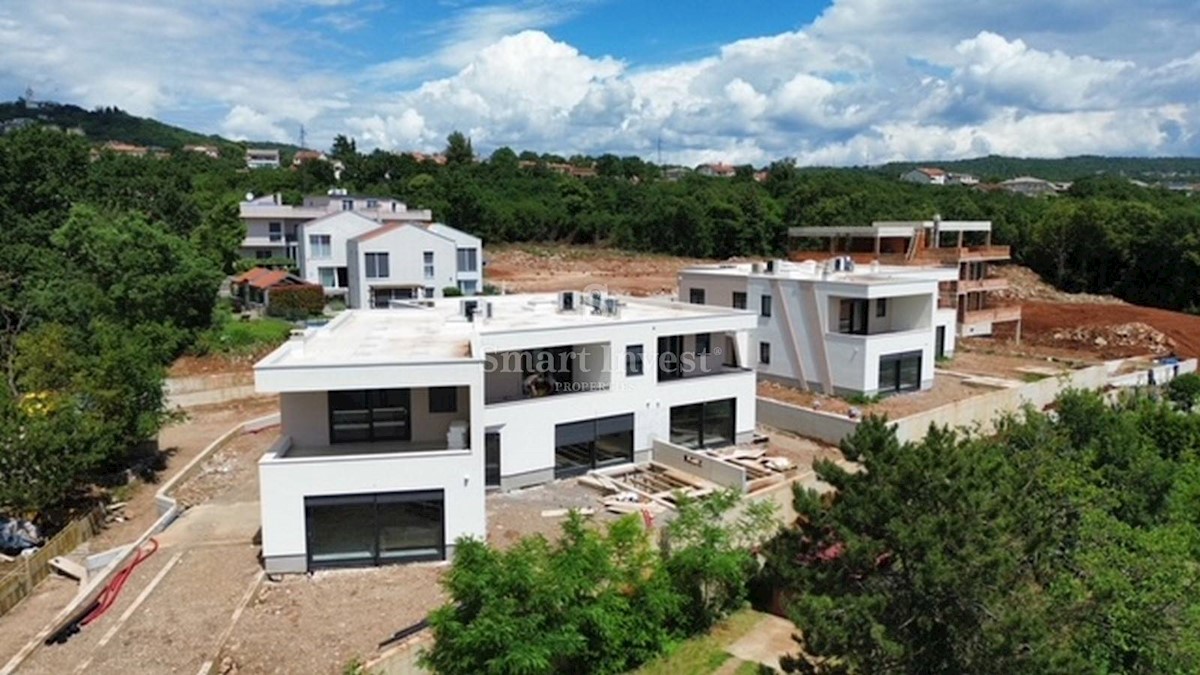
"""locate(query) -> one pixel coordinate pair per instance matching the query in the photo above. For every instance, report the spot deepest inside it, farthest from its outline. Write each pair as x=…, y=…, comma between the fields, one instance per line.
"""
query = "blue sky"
x=840, y=82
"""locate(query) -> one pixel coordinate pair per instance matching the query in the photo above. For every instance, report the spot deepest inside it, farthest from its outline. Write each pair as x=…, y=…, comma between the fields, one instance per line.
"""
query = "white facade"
x=322, y=248
x=262, y=158
x=500, y=428
x=867, y=330
x=399, y=262
x=924, y=176
x=271, y=225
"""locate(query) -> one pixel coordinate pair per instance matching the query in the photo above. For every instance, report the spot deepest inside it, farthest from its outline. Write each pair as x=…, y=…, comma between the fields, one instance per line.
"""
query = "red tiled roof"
x=380, y=231
x=929, y=171
x=250, y=274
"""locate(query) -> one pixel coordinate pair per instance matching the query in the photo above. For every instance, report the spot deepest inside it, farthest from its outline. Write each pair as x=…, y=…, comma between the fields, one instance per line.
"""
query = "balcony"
x=992, y=315
x=285, y=449
x=974, y=285
x=966, y=253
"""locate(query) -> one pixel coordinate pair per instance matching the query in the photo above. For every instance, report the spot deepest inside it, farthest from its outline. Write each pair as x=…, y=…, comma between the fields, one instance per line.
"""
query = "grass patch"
x=704, y=653
x=230, y=335
x=1033, y=377
x=863, y=399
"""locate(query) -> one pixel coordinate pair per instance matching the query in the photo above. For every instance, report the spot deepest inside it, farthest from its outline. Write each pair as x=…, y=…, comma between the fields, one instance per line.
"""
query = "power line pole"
x=302, y=145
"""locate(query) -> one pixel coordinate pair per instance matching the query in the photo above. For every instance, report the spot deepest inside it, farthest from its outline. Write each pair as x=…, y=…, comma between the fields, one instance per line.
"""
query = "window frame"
x=635, y=360
x=764, y=306
x=881, y=308
x=428, y=260
x=325, y=247
x=696, y=296
x=275, y=231
x=739, y=300
x=764, y=353
x=372, y=402
x=371, y=266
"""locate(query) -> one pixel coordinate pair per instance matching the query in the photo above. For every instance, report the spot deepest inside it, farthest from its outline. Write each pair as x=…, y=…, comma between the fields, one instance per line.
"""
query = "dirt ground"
x=1026, y=286
x=211, y=364
x=1041, y=320
x=946, y=389
x=530, y=268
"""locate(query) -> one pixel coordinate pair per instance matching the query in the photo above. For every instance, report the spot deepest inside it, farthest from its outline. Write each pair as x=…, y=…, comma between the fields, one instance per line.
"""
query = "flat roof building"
x=396, y=422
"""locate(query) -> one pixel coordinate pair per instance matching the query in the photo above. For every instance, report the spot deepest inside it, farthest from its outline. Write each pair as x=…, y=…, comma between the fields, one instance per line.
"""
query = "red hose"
x=109, y=595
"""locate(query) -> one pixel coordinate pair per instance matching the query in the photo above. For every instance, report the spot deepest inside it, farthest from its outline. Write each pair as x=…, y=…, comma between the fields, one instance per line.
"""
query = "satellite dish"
x=249, y=196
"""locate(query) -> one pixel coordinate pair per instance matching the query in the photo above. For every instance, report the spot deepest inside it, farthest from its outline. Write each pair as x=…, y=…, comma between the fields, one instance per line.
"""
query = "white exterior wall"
x=463, y=240
x=406, y=248
x=285, y=481
x=341, y=228
x=811, y=306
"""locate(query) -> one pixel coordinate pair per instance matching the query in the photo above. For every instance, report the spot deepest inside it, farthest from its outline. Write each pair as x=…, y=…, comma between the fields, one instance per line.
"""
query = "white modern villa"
x=369, y=250
x=834, y=326
x=395, y=423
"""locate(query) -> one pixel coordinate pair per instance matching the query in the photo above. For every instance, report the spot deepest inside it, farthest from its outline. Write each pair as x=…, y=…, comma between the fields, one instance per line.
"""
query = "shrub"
x=1184, y=390
x=451, y=292
x=296, y=302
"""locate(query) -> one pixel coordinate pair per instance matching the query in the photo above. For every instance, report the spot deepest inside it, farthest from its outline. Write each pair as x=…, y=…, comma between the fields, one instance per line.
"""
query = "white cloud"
x=867, y=81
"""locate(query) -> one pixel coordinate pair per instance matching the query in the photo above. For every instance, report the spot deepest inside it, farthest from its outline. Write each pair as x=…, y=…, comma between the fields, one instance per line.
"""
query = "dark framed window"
x=764, y=352
x=670, y=357
x=275, y=231
x=739, y=300
x=765, y=305
x=375, y=529
x=881, y=308
x=468, y=260
x=367, y=416
x=376, y=265
x=852, y=317
x=634, y=363
x=704, y=425
x=443, y=399
x=703, y=343
x=696, y=296
x=491, y=459
x=900, y=372
x=582, y=446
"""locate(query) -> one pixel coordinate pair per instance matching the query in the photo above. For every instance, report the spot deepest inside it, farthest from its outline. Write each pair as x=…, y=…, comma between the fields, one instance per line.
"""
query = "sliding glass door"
x=375, y=529
x=900, y=372
x=704, y=425
x=580, y=447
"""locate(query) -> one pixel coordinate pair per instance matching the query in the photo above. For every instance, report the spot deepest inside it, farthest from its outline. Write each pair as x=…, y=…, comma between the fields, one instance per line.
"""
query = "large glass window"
x=739, y=300
x=275, y=231
x=428, y=260
x=321, y=246
x=696, y=296
x=327, y=276
x=376, y=265
x=375, y=529
x=633, y=360
x=670, y=355
x=582, y=446
x=468, y=260
x=900, y=372
x=367, y=416
x=765, y=305
x=852, y=317
x=704, y=425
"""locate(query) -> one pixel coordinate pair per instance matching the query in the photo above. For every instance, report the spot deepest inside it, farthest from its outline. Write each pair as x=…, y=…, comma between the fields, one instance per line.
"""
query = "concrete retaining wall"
x=814, y=424
x=698, y=464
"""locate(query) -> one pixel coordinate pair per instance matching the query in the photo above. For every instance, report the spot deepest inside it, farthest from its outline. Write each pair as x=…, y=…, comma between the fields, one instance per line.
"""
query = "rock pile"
x=1025, y=284
x=1124, y=336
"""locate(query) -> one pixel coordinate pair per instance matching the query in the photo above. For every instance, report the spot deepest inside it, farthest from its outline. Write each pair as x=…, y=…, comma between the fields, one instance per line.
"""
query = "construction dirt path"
x=533, y=268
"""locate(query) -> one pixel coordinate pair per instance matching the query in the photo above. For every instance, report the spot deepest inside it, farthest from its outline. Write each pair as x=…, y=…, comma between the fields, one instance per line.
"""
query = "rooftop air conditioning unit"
x=597, y=302
x=566, y=301
x=612, y=307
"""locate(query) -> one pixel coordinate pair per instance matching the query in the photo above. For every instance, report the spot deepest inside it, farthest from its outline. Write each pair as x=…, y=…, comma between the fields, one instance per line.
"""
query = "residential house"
x=253, y=287
x=399, y=262
x=964, y=246
x=262, y=158
x=121, y=148
x=1029, y=186
x=210, y=151
x=961, y=179
x=676, y=173
x=394, y=424
x=835, y=326
x=924, y=176
x=303, y=156
x=716, y=170
x=271, y=225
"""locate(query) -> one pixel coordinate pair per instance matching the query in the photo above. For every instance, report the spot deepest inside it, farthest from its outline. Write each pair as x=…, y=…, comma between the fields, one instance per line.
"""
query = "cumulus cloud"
x=867, y=81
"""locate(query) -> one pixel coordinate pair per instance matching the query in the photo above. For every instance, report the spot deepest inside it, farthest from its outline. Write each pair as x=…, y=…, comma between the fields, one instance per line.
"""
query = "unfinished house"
x=965, y=245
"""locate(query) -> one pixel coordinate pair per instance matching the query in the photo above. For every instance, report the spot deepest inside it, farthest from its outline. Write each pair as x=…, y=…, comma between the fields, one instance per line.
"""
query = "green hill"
x=114, y=124
x=995, y=167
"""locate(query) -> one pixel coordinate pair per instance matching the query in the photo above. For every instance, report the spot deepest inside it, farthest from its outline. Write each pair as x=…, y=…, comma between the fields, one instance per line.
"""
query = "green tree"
x=458, y=150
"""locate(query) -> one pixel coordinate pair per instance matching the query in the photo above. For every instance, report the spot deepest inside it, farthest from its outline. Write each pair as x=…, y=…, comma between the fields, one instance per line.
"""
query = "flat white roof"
x=440, y=333
x=810, y=270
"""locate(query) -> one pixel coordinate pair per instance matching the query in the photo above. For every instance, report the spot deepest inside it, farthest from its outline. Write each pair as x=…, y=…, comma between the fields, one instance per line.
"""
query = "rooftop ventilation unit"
x=612, y=307
x=566, y=301
x=470, y=308
x=597, y=302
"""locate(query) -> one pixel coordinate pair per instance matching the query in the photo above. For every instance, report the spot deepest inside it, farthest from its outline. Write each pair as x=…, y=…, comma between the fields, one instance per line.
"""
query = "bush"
x=1184, y=390
x=296, y=302
x=245, y=264
x=451, y=292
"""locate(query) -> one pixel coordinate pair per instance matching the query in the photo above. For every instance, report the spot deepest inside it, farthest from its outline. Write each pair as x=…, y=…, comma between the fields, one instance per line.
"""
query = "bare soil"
x=529, y=268
x=514, y=515
x=946, y=389
x=1025, y=285
x=211, y=364
x=1041, y=321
